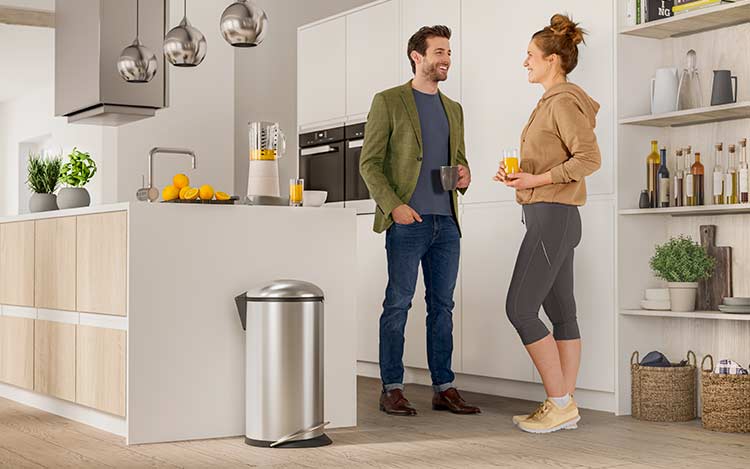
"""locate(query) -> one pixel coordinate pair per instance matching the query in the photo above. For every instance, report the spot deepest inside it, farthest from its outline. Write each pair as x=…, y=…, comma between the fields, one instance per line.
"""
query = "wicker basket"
x=726, y=400
x=663, y=394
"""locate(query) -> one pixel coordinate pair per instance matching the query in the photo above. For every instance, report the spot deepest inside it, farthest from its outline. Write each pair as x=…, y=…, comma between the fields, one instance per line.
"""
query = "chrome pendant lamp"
x=137, y=64
x=185, y=45
x=244, y=24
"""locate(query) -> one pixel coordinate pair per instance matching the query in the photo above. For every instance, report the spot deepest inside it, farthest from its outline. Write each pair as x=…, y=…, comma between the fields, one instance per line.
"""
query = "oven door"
x=355, y=185
x=322, y=168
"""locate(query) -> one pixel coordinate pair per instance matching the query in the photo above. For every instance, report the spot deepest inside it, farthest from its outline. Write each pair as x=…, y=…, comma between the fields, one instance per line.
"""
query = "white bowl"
x=655, y=305
x=657, y=294
x=314, y=198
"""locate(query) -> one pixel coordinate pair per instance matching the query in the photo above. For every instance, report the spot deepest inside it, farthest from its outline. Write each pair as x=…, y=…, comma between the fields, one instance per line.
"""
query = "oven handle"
x=318, y=150
x=356, y=143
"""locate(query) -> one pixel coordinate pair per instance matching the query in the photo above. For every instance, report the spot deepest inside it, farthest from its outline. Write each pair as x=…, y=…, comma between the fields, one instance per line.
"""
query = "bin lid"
x=286, y=290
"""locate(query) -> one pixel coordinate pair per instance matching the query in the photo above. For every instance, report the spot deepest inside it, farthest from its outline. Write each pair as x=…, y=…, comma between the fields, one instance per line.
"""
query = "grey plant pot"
x=42, y=202
x=73, y=197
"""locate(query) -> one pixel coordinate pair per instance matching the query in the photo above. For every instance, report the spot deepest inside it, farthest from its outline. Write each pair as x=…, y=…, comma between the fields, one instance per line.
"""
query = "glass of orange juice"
x=510, y=158
x=296, y=188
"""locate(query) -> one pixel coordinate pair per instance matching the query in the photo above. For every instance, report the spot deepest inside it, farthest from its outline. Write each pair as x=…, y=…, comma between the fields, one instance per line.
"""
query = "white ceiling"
x=28, y=60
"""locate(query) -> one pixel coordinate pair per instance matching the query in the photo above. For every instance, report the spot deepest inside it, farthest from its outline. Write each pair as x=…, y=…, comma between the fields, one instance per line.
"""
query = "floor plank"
x=30, y=438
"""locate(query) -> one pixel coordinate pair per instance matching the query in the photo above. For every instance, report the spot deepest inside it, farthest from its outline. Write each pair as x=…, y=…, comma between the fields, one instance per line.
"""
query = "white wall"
x=200, y=116
x=266, y=78
x=31, y=117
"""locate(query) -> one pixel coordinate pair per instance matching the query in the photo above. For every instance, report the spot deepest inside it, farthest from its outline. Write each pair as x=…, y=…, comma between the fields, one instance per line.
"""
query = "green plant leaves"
x=79, y=169
x=43, y=173
x=682, y=260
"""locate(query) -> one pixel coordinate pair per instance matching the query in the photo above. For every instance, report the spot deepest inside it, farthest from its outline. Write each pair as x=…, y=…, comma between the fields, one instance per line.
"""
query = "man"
x=412, y=130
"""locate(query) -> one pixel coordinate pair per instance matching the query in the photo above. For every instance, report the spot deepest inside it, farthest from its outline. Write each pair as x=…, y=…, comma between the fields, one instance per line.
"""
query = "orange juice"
x=262, y=155
x=511, y=165
x=296, y=187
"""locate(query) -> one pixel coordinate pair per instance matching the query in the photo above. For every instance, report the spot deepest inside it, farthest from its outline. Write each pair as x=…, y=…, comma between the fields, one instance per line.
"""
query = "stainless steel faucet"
x=149, y=192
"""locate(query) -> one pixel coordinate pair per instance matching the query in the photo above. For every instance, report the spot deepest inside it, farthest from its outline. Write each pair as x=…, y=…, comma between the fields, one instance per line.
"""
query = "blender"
x=267, y=145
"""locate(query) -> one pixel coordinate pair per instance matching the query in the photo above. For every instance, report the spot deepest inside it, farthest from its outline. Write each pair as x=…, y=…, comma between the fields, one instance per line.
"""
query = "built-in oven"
x=329, y=161
x=354, y=184
x=321, y=162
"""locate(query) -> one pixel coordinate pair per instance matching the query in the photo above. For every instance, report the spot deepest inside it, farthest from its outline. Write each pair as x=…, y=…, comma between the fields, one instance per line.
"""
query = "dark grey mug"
x=449, y=177
x=722, y=92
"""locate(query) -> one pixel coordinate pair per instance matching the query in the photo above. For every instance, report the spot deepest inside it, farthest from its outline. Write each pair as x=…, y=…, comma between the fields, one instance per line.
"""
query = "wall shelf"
x=703, y=210
x=703, y=115
x=705, y=19
x=714, y=315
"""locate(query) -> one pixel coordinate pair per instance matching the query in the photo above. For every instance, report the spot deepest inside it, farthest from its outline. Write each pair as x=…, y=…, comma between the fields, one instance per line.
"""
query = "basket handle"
x=703, y=363
x=635, y=356
x=689, y=354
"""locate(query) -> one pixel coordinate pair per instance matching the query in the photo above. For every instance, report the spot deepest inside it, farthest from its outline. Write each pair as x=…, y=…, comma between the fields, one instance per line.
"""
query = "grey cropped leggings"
x=543, y=275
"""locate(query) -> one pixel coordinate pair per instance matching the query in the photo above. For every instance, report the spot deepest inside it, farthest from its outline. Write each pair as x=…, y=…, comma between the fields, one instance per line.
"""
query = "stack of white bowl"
x=657, y=299
x=735, y=305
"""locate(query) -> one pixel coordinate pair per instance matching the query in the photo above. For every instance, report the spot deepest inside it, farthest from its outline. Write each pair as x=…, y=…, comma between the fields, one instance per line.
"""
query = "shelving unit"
x=697, y=21
x=704, y=210
x=714, y=33
x=714, y=315
x=703, y=115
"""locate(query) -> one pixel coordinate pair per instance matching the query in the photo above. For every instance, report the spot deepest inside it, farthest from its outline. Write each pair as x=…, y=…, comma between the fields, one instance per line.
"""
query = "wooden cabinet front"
x=55, y=264
x=100, y=369
x=17, y=263
x=55, y=359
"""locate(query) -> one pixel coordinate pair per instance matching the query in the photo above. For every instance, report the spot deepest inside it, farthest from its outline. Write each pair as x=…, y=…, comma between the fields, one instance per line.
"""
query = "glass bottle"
x=698, y=172
x=743, y=173
x=678, y=181
x=663, y=180
x=689, y=179
x=719, y=174
x=652, y=169
x=731, y=184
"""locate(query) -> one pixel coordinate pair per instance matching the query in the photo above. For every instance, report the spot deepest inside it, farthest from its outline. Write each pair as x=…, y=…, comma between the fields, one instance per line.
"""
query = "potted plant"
x=76, y=173
x=43, y=178
x=682, y=263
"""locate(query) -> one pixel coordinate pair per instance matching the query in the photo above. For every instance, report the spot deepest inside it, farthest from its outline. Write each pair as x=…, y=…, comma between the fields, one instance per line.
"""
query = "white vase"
x=682, y=296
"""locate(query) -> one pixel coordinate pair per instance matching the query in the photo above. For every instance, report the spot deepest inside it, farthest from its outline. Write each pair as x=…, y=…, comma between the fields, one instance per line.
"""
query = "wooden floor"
x=32, y=438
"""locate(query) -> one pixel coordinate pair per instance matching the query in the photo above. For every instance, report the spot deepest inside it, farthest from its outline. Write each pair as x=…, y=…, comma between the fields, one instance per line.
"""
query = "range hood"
x=89, y=37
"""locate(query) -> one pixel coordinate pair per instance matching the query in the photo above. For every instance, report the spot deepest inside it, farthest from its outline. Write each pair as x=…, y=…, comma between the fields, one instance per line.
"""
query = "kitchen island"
x=123, y=316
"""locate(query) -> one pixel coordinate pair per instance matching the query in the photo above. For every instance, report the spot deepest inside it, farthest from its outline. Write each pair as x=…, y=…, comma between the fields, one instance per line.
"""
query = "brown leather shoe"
x=394, y=403
x=451, y=400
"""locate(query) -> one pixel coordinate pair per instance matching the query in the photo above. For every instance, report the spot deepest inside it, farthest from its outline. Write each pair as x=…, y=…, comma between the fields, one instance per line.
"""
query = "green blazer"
x=391, y=156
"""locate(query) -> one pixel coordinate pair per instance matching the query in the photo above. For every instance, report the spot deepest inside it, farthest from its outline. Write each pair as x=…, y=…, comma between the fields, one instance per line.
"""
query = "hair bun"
x=562, y=25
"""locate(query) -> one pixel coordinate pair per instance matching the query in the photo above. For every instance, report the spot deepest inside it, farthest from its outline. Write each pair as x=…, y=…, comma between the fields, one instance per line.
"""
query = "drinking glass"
x=511, y=160
x=296, y=188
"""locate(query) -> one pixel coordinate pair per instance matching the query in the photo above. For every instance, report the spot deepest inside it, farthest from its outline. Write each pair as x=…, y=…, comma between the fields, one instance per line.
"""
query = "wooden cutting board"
x=713, y=290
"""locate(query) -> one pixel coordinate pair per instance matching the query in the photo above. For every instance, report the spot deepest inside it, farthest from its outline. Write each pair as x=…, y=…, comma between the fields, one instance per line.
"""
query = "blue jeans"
x=436, y=244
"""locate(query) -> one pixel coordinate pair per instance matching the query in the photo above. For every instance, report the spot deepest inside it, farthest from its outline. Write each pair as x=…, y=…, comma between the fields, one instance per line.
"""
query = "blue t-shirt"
x=429, y=197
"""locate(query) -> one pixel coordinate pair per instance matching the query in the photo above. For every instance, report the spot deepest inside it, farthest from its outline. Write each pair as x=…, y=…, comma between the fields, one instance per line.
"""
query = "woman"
x=558, y=151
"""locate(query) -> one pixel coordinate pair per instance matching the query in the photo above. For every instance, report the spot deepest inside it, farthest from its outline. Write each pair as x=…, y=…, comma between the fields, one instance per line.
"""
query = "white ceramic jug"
x=664, y=90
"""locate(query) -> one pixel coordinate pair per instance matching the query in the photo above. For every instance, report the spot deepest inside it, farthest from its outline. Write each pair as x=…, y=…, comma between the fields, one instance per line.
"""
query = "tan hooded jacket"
x=559, y=138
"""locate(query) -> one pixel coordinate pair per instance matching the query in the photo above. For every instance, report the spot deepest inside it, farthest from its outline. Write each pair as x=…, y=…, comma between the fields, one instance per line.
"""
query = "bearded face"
x=436, y=61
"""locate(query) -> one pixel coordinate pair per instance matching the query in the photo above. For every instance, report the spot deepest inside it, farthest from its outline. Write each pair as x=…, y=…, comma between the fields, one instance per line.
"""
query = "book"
x=697, y=5
x=658, y=9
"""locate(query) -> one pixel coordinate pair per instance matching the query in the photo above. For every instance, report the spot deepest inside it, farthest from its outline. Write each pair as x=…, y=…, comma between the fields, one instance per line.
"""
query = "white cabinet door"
x=373, y=54
x=595, y=296
x=321, y=72
x=418, y=13
x=492, y=234
x=372, y=279
x=497, y=97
